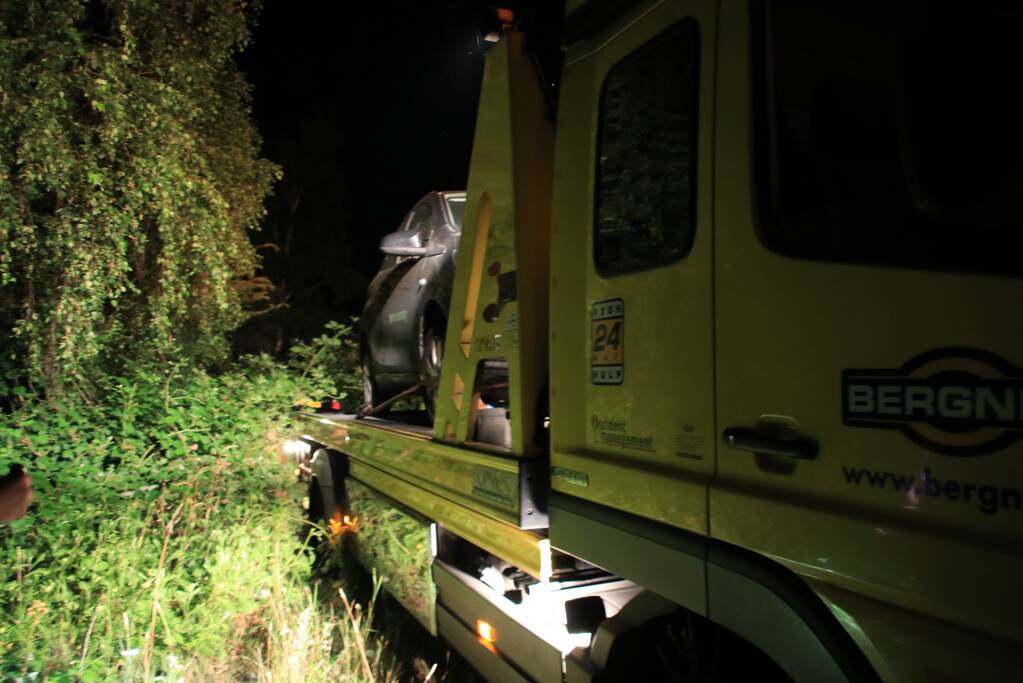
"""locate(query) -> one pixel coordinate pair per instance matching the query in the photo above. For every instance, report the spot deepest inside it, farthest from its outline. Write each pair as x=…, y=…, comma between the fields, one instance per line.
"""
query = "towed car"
x=406, y=313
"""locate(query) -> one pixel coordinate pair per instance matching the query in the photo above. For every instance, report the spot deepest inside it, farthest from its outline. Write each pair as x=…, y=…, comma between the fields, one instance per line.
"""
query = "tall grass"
x=166, y=541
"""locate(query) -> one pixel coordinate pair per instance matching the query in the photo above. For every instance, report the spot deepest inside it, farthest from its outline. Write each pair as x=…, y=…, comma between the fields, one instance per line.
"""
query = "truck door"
x=868, y=331
x=631, y=363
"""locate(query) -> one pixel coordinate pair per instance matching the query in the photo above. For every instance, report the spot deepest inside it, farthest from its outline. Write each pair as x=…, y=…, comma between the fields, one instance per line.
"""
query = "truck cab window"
x=888, y=133
x=646, y=154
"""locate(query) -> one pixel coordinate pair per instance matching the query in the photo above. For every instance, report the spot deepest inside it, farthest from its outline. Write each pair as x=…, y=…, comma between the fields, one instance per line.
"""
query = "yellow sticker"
x=607, y=336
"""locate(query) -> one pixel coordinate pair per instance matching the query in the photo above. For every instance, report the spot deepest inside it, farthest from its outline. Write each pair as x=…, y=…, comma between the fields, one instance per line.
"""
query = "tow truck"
x=763, y=402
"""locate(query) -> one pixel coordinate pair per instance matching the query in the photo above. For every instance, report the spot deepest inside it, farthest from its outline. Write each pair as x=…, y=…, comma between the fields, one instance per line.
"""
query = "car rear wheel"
x=433, y=353
x=370, y=393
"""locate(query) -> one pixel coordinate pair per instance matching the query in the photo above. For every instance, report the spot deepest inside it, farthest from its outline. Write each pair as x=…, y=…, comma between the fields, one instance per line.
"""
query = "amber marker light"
x=506, y=20
x=340, y=523
x=486, y=631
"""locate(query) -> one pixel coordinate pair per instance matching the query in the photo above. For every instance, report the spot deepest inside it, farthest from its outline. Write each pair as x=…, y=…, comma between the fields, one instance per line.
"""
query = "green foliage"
x=129, y=176
x=331, y=360
x=163, y=537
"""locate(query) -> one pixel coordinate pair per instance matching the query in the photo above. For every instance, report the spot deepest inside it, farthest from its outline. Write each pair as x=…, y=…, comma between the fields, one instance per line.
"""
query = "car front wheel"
x=433, y=353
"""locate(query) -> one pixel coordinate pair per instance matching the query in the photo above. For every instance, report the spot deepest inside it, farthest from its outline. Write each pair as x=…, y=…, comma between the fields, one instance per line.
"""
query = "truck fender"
x=768, y=605
x=742, y=591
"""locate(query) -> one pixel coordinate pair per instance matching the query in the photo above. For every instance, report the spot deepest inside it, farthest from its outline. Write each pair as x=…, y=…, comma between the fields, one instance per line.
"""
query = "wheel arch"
x=770, y=606
x=748, y=594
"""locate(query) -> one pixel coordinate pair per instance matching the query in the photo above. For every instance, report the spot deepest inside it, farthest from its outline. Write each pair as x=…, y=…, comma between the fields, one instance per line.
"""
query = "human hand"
x=15, y=494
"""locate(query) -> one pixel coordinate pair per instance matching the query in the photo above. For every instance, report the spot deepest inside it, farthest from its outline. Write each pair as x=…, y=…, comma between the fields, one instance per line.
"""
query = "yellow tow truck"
x=754, y=293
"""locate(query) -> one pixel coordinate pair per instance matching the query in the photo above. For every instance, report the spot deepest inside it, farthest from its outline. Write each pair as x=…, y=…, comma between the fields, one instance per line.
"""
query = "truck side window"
x=889, y=133
x=645, y=214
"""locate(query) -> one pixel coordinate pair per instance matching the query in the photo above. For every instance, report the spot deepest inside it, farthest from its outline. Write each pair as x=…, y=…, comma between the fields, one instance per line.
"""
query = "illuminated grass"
x=163, y=544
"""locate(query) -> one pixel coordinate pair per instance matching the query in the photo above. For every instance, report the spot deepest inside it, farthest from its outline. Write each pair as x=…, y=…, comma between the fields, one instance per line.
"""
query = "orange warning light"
x=486, y=631
x=338, y=524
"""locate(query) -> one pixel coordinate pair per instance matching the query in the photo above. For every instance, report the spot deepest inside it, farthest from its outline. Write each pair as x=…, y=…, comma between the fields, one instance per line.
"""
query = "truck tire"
x=315, y=511
x=686, y=648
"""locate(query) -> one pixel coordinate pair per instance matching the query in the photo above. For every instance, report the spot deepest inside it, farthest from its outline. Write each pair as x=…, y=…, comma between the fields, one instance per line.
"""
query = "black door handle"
x=749, y=440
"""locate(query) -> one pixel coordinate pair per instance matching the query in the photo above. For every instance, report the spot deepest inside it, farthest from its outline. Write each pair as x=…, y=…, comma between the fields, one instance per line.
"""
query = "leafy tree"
x=129, y=177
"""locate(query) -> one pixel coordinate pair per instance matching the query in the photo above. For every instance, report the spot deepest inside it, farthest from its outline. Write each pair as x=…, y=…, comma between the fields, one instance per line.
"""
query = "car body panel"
x=405, y=289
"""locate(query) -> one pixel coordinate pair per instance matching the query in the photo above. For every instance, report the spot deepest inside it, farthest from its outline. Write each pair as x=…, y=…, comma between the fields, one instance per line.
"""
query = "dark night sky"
x=366, y=110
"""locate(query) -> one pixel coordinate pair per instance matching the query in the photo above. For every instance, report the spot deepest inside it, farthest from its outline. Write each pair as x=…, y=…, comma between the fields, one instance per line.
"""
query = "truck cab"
x=796, y=293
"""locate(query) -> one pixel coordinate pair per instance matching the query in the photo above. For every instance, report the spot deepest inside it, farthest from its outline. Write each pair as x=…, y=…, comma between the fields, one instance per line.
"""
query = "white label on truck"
x=607, y=336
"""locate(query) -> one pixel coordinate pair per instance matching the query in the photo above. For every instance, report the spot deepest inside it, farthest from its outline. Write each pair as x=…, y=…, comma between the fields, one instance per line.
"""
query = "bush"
x=163, y=537
x=331, y=360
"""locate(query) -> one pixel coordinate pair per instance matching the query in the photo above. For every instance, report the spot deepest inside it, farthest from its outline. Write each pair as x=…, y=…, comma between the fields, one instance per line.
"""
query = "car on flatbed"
x=403, y=322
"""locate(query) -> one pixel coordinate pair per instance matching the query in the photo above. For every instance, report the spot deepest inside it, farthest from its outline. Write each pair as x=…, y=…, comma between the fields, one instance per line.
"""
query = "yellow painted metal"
x=646, y=446
x=923, y=575
x=904, y=645
x=489, y=484
x=528, y=551
x=505, y=236
x=406, y=563
x=780, y=331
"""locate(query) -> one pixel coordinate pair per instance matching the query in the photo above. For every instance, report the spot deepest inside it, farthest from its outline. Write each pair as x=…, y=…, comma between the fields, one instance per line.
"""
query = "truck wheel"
x=687, y=648
x=315, y=513
x=433, y=353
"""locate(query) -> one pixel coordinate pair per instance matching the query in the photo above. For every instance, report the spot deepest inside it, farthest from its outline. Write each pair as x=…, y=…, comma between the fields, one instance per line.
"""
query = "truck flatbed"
x=484, y=496
x=406, y=422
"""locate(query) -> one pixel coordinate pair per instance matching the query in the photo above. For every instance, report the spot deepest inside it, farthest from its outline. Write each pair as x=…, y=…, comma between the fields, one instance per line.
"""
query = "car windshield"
x=457, y=205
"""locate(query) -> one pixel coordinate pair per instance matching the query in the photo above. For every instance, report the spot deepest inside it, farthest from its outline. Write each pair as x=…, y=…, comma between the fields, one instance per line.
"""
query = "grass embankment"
x=165, y=542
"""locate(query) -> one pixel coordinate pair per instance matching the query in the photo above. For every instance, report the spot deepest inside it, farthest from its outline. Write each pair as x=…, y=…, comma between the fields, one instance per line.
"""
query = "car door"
x=868, y=288
x=397, y=332
x=631, y=343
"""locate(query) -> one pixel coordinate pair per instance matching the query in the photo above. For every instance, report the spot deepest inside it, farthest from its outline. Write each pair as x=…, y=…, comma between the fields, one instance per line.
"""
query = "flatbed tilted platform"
x=484, y=497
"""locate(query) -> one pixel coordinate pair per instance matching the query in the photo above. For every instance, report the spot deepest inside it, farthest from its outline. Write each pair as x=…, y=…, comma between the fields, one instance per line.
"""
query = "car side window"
x=645, y=213
x=420, y=218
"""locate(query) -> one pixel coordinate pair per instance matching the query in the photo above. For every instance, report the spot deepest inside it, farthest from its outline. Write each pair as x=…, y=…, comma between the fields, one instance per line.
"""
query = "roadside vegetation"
x=166, y=541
